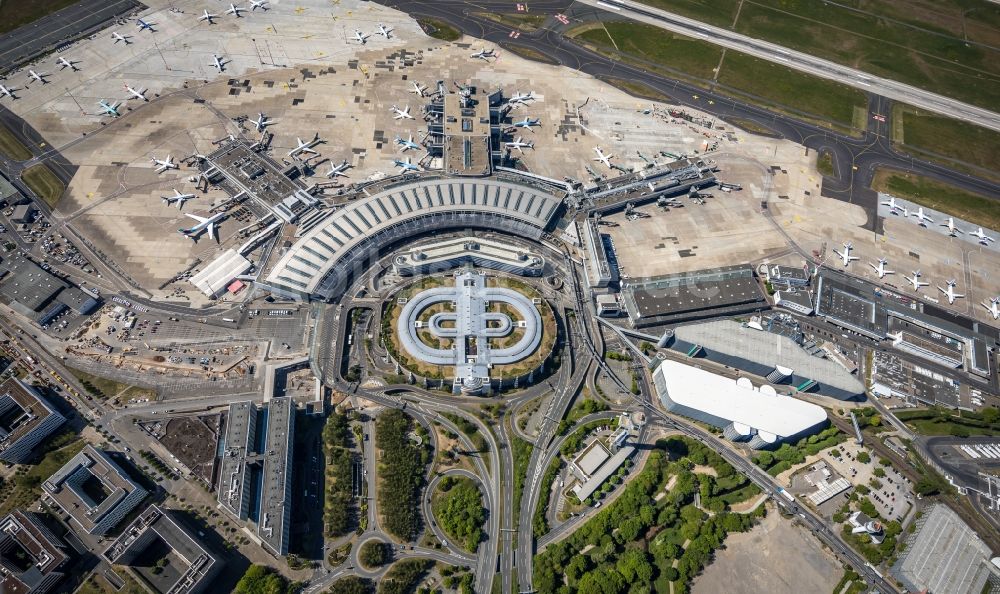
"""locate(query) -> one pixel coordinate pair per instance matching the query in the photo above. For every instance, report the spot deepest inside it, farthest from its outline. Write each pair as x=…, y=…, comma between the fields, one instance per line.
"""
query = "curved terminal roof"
x=314, y=255
x=724, y=398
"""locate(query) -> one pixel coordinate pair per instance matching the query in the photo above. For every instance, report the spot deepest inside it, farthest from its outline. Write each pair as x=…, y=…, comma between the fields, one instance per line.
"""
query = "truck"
x=786, y=494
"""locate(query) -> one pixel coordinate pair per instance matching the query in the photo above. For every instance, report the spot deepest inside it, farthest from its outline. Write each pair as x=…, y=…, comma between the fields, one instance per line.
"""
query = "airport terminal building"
x=758, y=416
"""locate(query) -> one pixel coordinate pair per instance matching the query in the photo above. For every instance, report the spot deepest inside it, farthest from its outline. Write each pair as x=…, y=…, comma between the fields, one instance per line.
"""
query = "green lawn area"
x=97, y=584
x=946, y=47
x=523, y=21
x=102, y=387
x=521, y=451
x=933, y=136
x=938, y=421
x=825, y=164
x=439, y=29
x=25, y=487
x=15, y=13
x=979, y=210
x=776, y=87
x=11, y=147
x=44, y=183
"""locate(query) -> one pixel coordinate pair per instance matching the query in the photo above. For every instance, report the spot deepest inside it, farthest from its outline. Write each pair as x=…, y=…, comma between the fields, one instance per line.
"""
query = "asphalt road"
x=49, y=32
x=855, y=159
x=803, y=62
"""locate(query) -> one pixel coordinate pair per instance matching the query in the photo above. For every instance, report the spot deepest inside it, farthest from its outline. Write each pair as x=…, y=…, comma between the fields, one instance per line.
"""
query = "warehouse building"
x=31, y=556
x=759, y=417
x=256, y=470
x=192, y=565
x=446, y=254
x=676, y=298
x=26, y=418
x=94, y=491
x=215, y=278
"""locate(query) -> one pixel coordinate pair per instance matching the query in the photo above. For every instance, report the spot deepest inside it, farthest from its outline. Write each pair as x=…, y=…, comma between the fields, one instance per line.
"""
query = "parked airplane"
x=205, y=224
x=846, y=256
x=384, y=31
x=522, y=99
x=606, y=159
x=915, y=280
x=983, y=238
x=880, y=270
x=418, y=89
x=408, y=143
x=261, y=123
x=950, y=292
x=110, y=109
x=208, y=17
x=993, y=307
x=143, y=25
x=64, y=64
x=305, y=147
x=406, y=165
x=234, y=10
x=519, y=144
x=136, y=93
x=219, y=63
x=891, y=203
x=527, y=123
x=401, y=113
x=921, y=217
x=952, y=229
x=362, y=37
x=8, y=92
x=119, y=37
x=179, y=198
x=485, y=54
x=164, y=164
x=39, y=76
x=338, y=170
x=261, y=4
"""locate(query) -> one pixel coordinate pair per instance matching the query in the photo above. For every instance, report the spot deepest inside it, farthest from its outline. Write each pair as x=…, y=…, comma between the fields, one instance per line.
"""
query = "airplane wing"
x=211, y=231
x=197, y=218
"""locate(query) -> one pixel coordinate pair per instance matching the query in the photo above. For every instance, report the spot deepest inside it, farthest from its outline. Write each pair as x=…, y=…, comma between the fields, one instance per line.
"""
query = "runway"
x=855, y=159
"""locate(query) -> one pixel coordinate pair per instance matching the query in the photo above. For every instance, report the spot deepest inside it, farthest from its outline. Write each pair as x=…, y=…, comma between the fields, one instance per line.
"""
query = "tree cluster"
x=260, y=579
x=402, y=468
x=459, y=511
x=404, y=576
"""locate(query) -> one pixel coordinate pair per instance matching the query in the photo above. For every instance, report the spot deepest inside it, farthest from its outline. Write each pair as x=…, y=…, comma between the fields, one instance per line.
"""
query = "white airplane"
x=219, y=63
x=39, y=76
x=522, y=99
x=164, y=164
x=401, y=113
x=519, y=144
x=119, y=37
x=891, y=203
x=338, y=170
x=305, y=147
x=205, y=224
x=64, y=64
x=993, y=307
x=234, y=10
x=915, y=280
x=952, y=229
x=362, y=37
x=110, y=109
x=846, y=256
x=418, y=89
x=8, y=92
x=179, y=198
x=261, y=4
x=261, y=123
x=528, y=123
x=950, y=292
x=208, y=17
x=485, y=54
x=406, y=165
x=880, y=270
x=606, y=159
x=136, y=93
x=921, y=217
x=408, y=143
x=983, y=238
x=384, y=31
x=141, y=24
